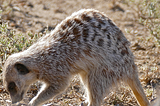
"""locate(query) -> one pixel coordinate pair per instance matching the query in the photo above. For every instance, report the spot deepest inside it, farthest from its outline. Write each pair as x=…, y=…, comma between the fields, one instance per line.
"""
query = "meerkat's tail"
x=137, y=89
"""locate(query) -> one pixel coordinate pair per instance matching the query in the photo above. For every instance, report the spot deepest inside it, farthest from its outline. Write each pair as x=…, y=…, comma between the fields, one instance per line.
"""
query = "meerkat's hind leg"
x=96, y=87
x=137, y=89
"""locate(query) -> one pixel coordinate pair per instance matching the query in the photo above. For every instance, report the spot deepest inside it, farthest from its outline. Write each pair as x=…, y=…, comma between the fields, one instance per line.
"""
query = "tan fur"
x=87, y=43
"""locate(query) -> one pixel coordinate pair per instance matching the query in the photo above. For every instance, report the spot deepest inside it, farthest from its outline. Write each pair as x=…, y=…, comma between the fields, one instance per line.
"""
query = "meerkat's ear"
x=21, y=69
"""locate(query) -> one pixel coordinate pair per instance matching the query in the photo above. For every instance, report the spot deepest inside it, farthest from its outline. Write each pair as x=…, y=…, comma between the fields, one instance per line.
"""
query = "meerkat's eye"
x=21, y=69
x=12, y=88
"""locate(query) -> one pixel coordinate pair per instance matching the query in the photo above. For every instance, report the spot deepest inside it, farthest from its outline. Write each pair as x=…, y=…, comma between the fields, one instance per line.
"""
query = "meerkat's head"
x=17, y=77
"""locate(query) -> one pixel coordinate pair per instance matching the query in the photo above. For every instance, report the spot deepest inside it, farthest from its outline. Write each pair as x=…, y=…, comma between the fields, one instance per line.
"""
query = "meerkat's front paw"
x=31, y=103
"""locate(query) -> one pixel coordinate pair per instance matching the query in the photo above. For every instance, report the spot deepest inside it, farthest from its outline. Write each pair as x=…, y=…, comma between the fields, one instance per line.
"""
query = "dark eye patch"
x=21, y=69
x=12, y=88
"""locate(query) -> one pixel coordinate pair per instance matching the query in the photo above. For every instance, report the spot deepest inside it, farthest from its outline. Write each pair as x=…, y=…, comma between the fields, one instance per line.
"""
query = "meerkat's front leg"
x=43, y=95
x=49, y=91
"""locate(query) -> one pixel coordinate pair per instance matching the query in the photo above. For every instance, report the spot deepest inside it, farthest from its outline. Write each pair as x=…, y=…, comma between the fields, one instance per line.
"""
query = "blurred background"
x=22, y=22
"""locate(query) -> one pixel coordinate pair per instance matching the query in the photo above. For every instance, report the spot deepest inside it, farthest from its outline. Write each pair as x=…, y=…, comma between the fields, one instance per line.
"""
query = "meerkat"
x=87, y=44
